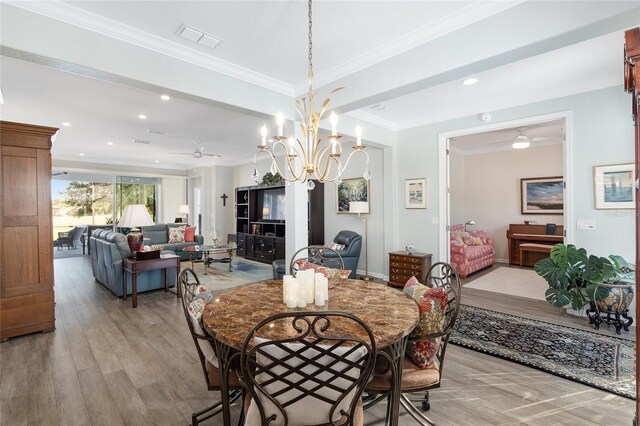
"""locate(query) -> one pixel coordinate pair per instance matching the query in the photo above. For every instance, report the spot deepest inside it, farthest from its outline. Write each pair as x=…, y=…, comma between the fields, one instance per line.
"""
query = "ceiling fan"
x=522, y=141
x=198, y=153
x=58, y=174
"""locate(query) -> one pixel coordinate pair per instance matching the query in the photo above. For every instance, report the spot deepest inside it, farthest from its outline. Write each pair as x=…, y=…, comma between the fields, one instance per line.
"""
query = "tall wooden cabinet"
x=26, y=234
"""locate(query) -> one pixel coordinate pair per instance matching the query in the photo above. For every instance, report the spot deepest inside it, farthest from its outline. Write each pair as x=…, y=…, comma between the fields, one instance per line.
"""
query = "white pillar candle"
x=310, y=286
x=320, y=298
x=290, y=290
x=301, y=295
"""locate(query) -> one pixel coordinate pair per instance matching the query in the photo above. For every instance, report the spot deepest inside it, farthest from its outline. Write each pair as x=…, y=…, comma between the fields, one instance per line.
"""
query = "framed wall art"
x=415, y=193
x=542, y=195
x=614, y=186
x=348, y=190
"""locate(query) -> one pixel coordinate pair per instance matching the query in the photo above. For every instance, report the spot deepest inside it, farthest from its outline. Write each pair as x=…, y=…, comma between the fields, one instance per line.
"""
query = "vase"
x=618, y=299
x=410, y=248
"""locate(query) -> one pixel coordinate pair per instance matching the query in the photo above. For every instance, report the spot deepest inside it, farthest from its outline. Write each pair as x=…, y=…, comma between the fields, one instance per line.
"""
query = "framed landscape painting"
x=614, y=186
x=356, y=189
x=542, y=195
x=415, y=194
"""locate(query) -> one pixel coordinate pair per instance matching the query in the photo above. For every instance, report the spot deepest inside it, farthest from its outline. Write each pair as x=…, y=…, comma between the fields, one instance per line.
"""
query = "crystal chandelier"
x=312, y=158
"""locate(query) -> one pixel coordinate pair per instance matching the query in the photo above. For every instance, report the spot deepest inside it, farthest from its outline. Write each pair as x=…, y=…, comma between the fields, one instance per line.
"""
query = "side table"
x=133, y=266
x=403, y=266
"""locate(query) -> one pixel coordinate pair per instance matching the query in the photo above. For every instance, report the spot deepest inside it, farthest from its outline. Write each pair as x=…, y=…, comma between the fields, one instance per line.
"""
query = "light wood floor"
x=109, y=364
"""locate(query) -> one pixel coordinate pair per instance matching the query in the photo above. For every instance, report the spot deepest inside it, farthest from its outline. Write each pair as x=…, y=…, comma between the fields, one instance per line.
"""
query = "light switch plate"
x=586, y=224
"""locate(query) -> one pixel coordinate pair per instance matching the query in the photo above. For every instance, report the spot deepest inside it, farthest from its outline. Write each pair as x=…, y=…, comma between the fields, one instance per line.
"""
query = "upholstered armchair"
x=352, y=242
x=470, y=251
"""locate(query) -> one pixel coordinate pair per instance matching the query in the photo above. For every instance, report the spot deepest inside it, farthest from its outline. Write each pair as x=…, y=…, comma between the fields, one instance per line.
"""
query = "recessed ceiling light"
x=470, y=81
x=109, y=143
x=142, y=116
x=66, y=124
x=157, y=161
x=165, y=97
x=81, y=154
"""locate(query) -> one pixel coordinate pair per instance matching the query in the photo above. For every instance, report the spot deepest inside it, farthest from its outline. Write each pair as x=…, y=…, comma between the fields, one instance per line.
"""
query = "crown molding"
x=78, y=17
x=474, y=12
x=373, y=119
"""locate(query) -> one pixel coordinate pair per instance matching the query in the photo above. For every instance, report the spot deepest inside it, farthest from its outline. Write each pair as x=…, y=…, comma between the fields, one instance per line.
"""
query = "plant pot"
x=619, y=298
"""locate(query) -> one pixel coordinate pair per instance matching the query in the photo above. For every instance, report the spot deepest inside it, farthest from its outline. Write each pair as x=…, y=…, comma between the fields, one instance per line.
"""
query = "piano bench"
x=532, y=248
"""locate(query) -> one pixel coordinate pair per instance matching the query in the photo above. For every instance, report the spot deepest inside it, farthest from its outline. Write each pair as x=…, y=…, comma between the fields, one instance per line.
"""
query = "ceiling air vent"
x=156, y=132
x=199, y=36
x=142, y=142
x=378, y=107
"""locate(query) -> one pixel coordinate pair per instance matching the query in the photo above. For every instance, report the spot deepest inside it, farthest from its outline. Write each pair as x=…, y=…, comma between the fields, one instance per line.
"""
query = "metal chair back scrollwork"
x=413, y=380
x=317, y=372
x=217, y=376
x=314, y=256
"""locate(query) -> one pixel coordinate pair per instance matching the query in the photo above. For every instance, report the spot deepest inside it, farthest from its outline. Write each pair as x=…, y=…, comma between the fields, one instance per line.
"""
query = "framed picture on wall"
x=415, y=193
x=542, y=195
x=348, y=190
x=614, y=186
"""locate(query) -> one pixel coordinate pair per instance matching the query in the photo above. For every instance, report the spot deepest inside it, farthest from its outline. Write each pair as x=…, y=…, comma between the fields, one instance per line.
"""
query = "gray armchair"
x=351, y=253
x=71, y=238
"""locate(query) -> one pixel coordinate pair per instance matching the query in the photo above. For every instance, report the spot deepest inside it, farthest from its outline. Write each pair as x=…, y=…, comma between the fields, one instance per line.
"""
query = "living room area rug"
x=219, y=278
x=513, y=281
x=604, y=362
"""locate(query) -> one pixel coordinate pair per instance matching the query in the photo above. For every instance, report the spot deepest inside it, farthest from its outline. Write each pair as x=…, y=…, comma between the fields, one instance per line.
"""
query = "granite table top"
x=389, y=313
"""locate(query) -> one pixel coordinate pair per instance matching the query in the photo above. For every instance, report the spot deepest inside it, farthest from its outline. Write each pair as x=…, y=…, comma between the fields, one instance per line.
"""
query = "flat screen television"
x=272, y=205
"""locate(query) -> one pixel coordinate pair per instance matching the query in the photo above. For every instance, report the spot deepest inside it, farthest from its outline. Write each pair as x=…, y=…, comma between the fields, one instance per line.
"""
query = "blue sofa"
x=108, y=250
x=159, y=235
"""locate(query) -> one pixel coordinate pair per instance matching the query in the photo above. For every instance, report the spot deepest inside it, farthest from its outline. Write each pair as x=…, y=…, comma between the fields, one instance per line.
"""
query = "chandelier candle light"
x=313, y=159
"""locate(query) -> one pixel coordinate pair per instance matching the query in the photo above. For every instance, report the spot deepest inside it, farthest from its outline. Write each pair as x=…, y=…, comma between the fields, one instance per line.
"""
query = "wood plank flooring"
x=109, y=364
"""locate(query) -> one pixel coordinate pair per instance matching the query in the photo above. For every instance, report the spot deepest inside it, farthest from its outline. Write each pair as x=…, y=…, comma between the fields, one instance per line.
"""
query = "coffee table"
x=208, y=253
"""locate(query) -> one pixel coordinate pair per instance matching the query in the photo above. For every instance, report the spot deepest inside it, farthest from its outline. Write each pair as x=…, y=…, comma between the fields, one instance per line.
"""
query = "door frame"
x=444, y=171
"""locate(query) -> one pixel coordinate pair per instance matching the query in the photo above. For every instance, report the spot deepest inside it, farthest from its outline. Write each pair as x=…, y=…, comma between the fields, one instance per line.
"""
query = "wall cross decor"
x=224, y=199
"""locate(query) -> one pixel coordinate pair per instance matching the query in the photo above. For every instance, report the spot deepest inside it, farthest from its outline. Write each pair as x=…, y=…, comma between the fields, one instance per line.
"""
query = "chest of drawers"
x=403, y=266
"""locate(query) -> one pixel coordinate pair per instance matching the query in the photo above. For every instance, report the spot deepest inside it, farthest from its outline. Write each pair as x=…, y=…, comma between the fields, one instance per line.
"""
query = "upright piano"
x=539, y=234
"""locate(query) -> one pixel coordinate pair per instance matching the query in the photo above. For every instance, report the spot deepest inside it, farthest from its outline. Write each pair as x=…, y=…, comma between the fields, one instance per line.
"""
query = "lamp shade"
x=135, y=215
x=359, y=207
x=184, y=209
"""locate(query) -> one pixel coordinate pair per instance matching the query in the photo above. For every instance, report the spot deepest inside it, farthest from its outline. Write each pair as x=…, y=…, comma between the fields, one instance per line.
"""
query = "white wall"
x=490, y=190
x=334, y=222
x=602, y=133
x=173, y=194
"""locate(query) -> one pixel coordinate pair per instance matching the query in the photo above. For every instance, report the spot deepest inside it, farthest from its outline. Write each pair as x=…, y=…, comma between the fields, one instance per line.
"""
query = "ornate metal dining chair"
x=414, y=379
x=314, y=256
x=207, y=354
x=313, y=376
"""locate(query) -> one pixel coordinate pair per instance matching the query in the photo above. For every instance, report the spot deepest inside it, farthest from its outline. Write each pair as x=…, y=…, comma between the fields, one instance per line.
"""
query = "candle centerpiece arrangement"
x=306, y=288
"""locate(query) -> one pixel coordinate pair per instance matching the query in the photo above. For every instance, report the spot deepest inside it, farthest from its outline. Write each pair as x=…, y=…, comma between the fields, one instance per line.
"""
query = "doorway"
x=484, y=157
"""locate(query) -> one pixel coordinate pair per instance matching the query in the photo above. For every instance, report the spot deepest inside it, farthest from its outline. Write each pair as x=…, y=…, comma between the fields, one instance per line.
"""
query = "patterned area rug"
x=243, y=272
x=603, y=362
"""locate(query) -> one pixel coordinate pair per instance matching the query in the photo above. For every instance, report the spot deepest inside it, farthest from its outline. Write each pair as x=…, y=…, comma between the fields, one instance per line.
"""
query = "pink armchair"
x=470, y=251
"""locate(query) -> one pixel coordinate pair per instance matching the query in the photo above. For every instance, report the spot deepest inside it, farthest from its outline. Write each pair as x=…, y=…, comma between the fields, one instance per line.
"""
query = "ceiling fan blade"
x=501, y=142
x=211, y=155
x=181, y=153
x=546, y=138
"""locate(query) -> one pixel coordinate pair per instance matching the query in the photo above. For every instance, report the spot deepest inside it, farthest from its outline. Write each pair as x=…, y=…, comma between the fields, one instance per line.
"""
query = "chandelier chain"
x=310, y=76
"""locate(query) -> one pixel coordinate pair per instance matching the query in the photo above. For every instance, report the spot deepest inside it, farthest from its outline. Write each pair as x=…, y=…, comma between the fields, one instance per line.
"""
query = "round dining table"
x=389, y=313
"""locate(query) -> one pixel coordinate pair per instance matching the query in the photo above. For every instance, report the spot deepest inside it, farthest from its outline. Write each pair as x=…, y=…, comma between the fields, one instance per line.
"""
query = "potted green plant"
x=576, y=278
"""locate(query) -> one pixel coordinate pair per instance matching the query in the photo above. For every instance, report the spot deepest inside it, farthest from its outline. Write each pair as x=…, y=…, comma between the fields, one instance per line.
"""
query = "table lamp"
x=362, y=207
x=184, y=211
x=135, y=215
x=470, y=222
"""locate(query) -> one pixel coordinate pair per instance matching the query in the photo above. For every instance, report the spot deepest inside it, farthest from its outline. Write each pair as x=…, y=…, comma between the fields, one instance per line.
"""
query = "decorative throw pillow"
x=189, y=234
x=473, y=241
x=196, y=309
x=432, y=303
x=334, y=246
x=176, y=234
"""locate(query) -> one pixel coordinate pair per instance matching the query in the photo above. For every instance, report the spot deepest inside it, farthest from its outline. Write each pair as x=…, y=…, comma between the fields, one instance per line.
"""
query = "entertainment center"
x=260, y=221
